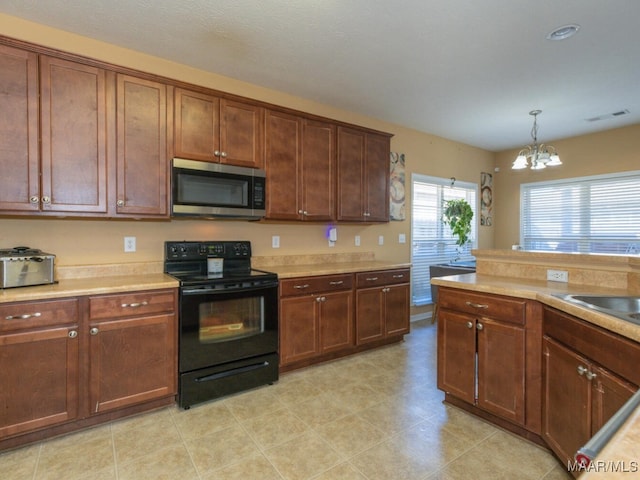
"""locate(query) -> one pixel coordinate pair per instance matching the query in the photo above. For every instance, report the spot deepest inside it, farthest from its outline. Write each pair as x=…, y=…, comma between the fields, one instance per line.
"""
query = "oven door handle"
x=219, y=291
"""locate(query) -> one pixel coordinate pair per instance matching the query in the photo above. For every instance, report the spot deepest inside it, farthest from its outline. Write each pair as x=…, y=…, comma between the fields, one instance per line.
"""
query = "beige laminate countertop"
x=311, y=270
x=89, y=286
x=621, y=456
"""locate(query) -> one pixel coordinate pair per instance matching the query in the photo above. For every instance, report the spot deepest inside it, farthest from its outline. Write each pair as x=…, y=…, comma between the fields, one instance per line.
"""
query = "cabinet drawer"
x=18, y=316
x=323, y=283
x=132, y=304
x=506, y=309
x=382, y=277
x=608, y=349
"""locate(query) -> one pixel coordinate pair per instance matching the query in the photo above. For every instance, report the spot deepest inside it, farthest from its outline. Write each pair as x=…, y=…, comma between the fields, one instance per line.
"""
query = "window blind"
x=432, y=240
x=597, y=214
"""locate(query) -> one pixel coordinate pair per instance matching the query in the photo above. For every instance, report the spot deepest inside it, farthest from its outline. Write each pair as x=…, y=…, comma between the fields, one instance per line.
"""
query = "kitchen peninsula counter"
x=621, y=455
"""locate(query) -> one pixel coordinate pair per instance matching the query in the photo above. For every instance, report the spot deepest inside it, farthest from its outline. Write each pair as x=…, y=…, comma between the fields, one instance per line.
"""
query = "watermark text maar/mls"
x=601, y=466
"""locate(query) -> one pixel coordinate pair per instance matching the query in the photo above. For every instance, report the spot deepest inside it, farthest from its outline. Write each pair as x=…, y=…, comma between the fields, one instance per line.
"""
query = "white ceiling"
x=467, y=70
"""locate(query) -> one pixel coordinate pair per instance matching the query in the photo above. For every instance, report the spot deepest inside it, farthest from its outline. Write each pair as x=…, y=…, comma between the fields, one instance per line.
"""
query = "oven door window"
x=231, y=319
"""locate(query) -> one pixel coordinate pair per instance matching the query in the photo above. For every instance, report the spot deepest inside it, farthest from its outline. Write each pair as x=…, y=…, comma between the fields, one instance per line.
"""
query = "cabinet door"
x=501, y=368
x=39, y=379
x=283, y=145
x=370, y=313
x=397, y=310
x=19, y=191
x=566, y=415
x=241, y=131
x=74, y=137
x=318, y=170
x=350, y=173
x=457, y=354
x=196, y=125
x=336, y=321
x=377, y=174
x=142, y=166
x=298, y=329
x=131, y=361
x=610, y=393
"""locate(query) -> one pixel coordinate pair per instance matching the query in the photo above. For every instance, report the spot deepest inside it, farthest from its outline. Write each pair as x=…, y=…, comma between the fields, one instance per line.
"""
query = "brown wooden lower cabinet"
x=580, y=391
x=132, y=349
x=487, y=350
x=63, y=369
x=316, y=317
x=382, y=305
x=329, y=316
x=39, y=374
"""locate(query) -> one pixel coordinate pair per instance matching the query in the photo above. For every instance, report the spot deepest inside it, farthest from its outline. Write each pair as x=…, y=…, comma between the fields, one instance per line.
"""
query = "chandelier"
x=538, y=156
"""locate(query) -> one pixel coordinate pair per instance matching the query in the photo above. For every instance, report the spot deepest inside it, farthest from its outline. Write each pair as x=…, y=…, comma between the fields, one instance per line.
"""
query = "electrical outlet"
x=381, y=240
x=558, y=276
x=275, y=241
x=129, y=244
x=357, y=240
x=402, y=238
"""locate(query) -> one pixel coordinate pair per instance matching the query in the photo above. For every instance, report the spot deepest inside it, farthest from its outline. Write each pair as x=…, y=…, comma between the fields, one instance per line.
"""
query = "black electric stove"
x=228, y=319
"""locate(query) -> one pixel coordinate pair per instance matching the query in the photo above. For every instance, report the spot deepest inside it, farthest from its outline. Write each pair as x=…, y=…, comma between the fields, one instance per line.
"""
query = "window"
x=433, y=242
x=599, y=214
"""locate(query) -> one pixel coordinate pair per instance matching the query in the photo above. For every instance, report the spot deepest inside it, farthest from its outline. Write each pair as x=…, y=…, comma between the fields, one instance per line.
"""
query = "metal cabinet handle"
x=135, y=305
x=366, y=214
x=590, y=375
x=94, y=331
x=223, y=154
x=24, y=316
x=340, y=282
x=73, y=334
x=303, y=212
x=120, y=203
x=34, y=199
x=371, y=279
x=399, y=276
x=479, y=326
x=477, y=305
x=582, y=370
x=46, y=200
x=216, y=153
x=306, y=285
x=321, y=299
x=469, y=324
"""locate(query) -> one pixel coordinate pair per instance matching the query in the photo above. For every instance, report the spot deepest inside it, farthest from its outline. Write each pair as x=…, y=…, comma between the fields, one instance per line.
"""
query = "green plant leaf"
x=458, y=215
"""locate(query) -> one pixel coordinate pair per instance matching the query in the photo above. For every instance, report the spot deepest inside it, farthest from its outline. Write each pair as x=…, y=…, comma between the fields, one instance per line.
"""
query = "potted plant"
x=458, y=215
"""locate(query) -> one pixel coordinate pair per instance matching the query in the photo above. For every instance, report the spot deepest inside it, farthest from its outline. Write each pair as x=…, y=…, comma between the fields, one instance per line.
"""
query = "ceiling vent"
x=608, y=116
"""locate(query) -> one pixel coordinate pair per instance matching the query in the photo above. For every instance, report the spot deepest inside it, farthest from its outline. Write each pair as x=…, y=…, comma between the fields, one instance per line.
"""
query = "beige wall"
x=77, y=242
x=595, y=154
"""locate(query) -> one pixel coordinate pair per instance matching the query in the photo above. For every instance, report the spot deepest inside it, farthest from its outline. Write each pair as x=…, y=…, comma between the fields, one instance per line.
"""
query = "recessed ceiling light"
x=563, y=32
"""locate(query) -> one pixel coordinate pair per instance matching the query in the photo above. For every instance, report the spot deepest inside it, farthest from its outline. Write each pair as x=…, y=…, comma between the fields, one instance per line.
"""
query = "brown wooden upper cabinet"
x=70, y=176
x=143, y=118
x=363, y=175
x=300, y=165
x=218, y=130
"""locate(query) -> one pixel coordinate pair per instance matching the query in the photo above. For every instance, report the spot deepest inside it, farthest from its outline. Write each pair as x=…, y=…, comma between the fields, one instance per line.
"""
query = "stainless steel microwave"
x=204, y=189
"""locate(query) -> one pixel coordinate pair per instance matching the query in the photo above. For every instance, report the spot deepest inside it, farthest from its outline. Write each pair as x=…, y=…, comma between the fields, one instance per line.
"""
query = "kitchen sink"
x=624, y=307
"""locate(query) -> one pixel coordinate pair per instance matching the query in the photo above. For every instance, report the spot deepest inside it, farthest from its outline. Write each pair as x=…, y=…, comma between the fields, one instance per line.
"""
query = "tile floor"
x=374, y=416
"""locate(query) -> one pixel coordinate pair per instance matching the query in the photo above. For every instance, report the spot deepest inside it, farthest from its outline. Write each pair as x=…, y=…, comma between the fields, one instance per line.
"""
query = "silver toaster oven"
x=23, y=267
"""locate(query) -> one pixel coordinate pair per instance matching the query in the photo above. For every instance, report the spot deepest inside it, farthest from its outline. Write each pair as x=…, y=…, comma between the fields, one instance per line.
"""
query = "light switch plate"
x=129, y=244
x=275, y=241
x=402, y=238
